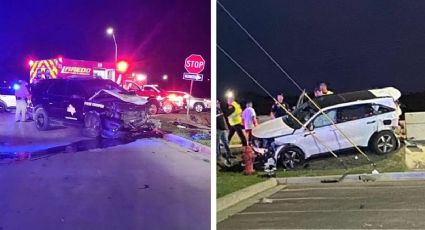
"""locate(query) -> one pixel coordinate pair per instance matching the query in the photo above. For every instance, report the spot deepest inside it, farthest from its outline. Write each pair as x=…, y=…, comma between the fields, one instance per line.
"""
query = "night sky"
x=155, y=36
x=351, y=45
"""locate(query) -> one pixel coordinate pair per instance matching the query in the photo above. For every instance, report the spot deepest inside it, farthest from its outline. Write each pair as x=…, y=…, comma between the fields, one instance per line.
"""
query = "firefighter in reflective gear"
x=234, y=117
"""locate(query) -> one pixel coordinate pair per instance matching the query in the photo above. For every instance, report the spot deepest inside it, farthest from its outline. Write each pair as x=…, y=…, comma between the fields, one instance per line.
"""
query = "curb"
x=185, y=143
x=245, y=193
x=355, y=178
x=244, y=204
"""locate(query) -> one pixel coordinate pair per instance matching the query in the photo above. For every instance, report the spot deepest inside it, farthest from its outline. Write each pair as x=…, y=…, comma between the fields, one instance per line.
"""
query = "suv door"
x=149, y=91
x=56, y=96
x=323, y=135
x=357, y=122
x=76, y=96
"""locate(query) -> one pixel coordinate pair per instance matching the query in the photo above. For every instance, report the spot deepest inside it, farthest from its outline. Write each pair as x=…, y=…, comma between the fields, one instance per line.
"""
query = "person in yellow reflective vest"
x=234, y=118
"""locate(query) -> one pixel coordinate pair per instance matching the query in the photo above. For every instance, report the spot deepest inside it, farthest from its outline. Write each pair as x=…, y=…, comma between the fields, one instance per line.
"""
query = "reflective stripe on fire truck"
x=44, y=65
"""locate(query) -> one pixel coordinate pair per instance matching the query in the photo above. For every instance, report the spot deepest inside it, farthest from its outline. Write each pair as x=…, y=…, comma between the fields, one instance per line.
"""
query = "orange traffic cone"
x=248, y=158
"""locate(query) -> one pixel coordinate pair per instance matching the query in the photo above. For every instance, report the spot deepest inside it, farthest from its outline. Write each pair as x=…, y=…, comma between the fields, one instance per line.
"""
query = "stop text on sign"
x=194, y=64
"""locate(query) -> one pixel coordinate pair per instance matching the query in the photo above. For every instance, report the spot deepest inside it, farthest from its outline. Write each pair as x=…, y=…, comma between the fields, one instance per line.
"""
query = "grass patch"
x=186, y=133
x=228, y=182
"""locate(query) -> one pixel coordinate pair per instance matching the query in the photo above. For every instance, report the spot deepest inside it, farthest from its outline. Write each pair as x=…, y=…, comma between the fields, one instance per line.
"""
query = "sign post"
x=194, y=64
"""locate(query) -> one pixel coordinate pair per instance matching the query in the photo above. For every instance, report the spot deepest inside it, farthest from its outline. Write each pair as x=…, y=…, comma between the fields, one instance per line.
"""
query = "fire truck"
x=64, y=68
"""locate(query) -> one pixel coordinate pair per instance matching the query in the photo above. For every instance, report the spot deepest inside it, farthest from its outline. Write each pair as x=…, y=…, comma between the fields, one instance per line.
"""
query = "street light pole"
x=116, y=48
x=110, y=31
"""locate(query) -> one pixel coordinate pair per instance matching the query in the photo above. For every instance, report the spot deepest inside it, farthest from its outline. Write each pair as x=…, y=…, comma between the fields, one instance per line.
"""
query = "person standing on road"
x=324, y=89
x=22, y=95
x=222, y=135
x=277, y=110
x=249, y=118
x=234, y=117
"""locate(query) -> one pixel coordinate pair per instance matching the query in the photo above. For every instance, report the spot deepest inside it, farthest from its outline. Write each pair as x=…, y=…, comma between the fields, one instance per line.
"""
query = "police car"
x=101, y=106
x=7, y=99
x=367, y=117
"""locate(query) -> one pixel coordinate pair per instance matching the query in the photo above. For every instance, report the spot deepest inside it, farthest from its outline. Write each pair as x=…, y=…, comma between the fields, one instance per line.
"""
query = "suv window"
x=354, y=112
x=322, y=120
x=7, y=91
x=131, y=86
x=149, y=89
x=380, y=109
x=58, y=87
x=74, y=88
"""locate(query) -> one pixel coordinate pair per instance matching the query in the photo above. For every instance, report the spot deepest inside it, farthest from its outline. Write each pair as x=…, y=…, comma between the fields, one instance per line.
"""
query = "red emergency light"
x=122, y=66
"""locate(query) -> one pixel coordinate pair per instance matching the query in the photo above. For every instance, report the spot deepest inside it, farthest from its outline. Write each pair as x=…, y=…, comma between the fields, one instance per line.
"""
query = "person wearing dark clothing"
x=277, y=110
x=222, y=134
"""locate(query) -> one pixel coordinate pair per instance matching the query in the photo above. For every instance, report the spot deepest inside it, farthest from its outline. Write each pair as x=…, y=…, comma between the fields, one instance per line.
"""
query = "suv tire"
x=167, y=107
x=291, y=157
x=383, y=142
x=41, y=118
x=198, y=107
x=3, y=107
x=92, y=125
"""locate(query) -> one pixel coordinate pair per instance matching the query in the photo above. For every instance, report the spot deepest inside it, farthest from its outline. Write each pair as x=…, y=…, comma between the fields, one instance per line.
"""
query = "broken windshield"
x=303, y=113
x=94, y=86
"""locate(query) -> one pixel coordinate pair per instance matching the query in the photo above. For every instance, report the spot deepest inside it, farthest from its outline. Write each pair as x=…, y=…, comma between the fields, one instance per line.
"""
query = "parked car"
x=162, y=101
x=195, y=103
x=100, y=106
x=7, y=99
x=367, y=117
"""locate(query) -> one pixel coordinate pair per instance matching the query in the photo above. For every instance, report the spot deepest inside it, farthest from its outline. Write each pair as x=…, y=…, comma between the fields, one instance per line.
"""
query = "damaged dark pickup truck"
x=101, y=106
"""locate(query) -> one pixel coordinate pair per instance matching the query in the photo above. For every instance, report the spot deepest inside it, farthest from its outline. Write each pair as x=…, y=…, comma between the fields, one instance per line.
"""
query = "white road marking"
x=318, y=198
x=350, y=188
x=330, y=211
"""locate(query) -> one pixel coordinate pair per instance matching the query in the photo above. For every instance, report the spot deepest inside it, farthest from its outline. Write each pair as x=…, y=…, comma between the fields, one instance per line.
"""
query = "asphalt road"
x=64, y=181
x=371, y=205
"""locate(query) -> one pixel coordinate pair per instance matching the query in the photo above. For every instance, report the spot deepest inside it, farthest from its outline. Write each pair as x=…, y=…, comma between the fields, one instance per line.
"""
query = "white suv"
x=367, y=117
x=7, y=99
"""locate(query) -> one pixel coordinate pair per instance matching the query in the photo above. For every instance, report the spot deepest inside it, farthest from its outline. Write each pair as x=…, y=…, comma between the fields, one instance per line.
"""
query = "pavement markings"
x=332, y=211
x=349, y=188
x=317, y=198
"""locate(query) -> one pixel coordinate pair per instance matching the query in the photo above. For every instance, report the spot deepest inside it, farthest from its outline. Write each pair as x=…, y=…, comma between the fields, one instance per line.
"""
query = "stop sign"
x=194, y=64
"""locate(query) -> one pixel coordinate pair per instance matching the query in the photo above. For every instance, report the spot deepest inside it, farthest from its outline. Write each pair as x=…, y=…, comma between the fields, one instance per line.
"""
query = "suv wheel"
x=92, y=125
x=291, y=157
x=167, y=107
x=199, y=107
x=2, y=107
x=41, y=119
x=152, y=107
x=383, y=142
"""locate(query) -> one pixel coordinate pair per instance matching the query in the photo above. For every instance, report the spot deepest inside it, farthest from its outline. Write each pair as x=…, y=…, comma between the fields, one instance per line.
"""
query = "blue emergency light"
x=16, y=86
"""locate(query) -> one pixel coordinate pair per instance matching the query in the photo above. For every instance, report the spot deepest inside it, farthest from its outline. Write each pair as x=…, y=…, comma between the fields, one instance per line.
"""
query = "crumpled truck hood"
x=272, y=128
x=123, y=97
